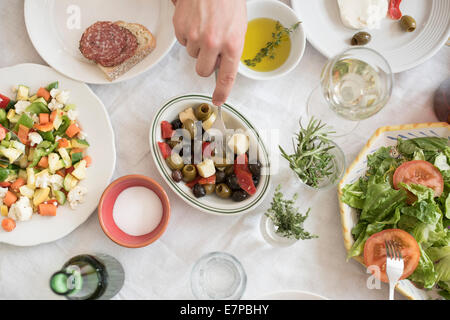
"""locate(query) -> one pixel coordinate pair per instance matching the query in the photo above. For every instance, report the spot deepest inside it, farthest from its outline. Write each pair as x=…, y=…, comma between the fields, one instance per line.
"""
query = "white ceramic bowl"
x=233, y=120
x=278, y=11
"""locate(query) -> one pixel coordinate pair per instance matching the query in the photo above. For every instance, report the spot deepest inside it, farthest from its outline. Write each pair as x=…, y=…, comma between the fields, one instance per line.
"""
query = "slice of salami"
x=128, y=50
x=103, y=40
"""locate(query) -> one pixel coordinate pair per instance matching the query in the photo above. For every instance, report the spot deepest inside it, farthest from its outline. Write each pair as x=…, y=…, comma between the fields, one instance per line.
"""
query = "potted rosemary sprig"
x=317, y=161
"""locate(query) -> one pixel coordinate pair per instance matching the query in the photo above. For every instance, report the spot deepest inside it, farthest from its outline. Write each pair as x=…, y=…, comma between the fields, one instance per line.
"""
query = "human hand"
x=213, y=32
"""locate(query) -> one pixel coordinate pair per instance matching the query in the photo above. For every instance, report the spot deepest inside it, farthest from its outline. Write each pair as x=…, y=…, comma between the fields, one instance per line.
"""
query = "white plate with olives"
x=403, y=50
x=218, y=200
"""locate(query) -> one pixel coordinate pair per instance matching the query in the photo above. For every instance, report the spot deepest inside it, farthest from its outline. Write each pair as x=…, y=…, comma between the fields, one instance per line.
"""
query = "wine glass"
x=354, y=85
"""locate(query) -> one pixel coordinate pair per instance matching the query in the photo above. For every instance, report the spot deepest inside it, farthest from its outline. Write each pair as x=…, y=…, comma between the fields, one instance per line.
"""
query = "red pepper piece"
x=193, y=182
x=166, y=130
x=4, y=101
x=207, y=149
x=209, y=180
x=165, y=149
x=394, y=9
x=243, y=174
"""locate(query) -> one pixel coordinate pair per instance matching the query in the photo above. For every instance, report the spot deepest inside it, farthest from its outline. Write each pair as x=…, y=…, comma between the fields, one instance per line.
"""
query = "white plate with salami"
x=56, y=27
x=325, y=30
x=96, y=126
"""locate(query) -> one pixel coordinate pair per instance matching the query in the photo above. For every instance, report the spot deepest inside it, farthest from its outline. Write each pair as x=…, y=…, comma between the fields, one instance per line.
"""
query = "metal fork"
x=394, y=265
x=219, y=125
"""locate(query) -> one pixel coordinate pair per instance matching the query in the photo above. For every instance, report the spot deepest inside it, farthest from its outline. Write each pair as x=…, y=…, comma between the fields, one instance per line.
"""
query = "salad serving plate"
x=95, y=123
x=403, y=50
x=55, y=28
x=383, y=137
x=233, y=120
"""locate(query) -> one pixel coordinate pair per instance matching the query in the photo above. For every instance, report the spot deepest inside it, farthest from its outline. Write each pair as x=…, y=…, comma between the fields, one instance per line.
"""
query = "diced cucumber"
x=23, y=163
x=54, y=162
x=5, y=143
x=24, y=120
x=40, y=195
x=80, y=170
x=70, y=107
x=22, y=92
x=58, y=121
x=8, y=136
x=60, y=196
x=44, y=144
x=65, y=156
x=15, y=119
x=79, y=143
x=40, y=99
x=11, y=113
x=10, y=153
x=23, y=174
x=31, y=178
x=33, y=98
x=17, y=145
x=70, y=182
x=26, y=191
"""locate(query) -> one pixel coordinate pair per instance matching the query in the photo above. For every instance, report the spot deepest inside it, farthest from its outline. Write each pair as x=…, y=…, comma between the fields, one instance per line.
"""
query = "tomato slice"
x=419, y=172
x=375, y=251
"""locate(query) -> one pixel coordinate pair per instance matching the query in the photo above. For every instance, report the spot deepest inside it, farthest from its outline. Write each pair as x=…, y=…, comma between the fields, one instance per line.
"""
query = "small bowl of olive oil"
x=274, y=42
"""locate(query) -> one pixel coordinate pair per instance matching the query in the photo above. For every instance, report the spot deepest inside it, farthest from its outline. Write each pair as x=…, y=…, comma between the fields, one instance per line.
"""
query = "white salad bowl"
x=385, y=136
x=278, y=11
x=211, y=204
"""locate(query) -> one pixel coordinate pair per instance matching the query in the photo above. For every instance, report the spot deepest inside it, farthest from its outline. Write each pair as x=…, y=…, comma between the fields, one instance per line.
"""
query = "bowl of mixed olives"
x=229, y=180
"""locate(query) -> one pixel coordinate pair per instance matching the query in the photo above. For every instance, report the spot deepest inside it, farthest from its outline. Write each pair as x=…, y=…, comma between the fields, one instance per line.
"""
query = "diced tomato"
x=165, y=149
x=166, y=130
x=8, y=224
x=394, y=9
x=209, y=180
x=44, y=118
x=193, y=182
x=5, y=184
x=3, y=132
x=23, y=134
x=4, y=101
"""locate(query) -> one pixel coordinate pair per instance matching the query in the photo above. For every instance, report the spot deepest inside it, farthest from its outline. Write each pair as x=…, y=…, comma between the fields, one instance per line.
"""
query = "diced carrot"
x=44, y=127
x=43, y=163
x=72, y=130
x=17, y=184
x=47, y=209
x=42, y=92
x=10, y=198
x=88, y=160
x=44, y=118
x=63, y=143
x=61, y=172
x=53, y=115
x=5, y=184
x=8, y=224
x=23, y=134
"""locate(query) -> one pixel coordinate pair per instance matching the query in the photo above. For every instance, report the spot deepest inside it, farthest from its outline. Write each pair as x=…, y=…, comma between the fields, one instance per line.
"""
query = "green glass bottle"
x=88, y=277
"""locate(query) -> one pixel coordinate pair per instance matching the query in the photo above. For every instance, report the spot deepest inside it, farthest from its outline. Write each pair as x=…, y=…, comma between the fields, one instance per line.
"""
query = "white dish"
x=278, y=11
x=403, y=50
x=292, y=295
x=54, y=32
x=95, y=122
x=233, y=120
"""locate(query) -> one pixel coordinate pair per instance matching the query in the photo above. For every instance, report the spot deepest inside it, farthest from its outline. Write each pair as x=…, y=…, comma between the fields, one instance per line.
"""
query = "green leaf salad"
x=426, y=218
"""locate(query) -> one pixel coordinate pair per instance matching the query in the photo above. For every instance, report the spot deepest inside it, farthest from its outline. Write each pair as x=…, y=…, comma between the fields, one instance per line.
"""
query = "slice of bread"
x=146, y=44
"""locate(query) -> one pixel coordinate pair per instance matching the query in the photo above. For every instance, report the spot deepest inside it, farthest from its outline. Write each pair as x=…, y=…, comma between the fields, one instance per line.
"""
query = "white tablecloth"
x=162, y=270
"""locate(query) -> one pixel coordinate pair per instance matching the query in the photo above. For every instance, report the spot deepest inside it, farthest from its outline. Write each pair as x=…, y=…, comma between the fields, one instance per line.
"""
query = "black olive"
x=220, y=176
x=229, y=170
x=239, y=195
x=199, y=191
x=255, y=168
x=177, y=176
x=256, y=180
x=232, y=182
x=176, y=124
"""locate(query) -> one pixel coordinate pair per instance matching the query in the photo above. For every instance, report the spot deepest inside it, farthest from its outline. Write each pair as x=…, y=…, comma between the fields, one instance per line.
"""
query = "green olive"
x=173, y=143
x=189, y=172
x=408, y=23
x=361, y=38
x=189, y=125
x=203, y=111
x=175, y=162
x=222, y=162
x=209, y=188
x=223, y=191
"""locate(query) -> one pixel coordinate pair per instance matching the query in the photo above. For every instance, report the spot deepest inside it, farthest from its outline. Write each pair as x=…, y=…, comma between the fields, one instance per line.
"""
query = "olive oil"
x=259, y=32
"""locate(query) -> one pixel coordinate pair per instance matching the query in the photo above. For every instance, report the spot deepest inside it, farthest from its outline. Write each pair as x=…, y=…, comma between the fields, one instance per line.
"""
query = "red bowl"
x=106, y=205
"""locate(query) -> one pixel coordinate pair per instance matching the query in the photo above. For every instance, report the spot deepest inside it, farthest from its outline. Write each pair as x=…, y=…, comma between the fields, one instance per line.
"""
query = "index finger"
x=228, y=68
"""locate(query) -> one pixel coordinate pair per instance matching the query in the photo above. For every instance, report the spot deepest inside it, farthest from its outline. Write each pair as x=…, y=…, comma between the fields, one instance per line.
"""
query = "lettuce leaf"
x=430, y=146
x=355, y=194
x=425, y=274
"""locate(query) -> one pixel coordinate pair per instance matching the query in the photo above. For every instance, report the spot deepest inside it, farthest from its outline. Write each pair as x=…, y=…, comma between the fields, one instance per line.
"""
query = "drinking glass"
x=218, y=276
x=354, y=85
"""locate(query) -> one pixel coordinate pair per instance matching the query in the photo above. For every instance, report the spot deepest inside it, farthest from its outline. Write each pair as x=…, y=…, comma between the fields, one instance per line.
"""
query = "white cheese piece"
x=361, y=14
x=54, y=105
x=62, y=96
x=206, y=168
x=35, y=138
x=187, y=114
x=21, y=210
x=76, y=195
x=239, y=143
